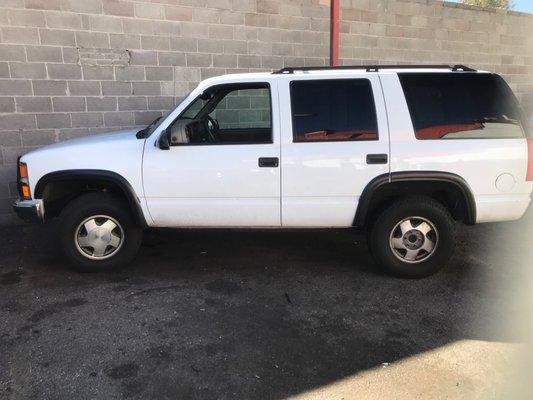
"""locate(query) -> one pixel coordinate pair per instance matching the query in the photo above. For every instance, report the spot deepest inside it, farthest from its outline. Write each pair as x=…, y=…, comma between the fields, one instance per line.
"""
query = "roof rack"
x=374, y=68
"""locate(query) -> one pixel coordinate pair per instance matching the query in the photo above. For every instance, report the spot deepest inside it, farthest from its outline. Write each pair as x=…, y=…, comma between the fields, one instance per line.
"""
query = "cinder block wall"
x=70, y=68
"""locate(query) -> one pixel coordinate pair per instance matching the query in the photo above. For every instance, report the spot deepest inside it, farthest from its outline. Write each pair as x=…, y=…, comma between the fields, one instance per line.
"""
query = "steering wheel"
x=212, y=128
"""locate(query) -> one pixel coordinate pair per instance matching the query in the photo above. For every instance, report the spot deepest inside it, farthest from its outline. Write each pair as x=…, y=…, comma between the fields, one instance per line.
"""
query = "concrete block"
x=235, y=47
x=20, y=35
x=10, y=139
x=210, y=46
x=184, y=44
x=7, y=105
x=120, y=118
x=159, y=73
x=249, y=61
x=92, y=39
x=21, y=17
x=84, y=88
x=161, y=103
x=34, y=104
x=150, y=11
x=178, y=13
x=82, y=6
x=130, y=73
x=62, y=20
x=86, y=119
x=221, y=4
x=70, y=103
x=101, y=103
x=155, y=43
x=105, y=23
x=10, y=52
x=64, y=71
x=41, y=137
x=28, y=70
x=143, y=57
x=269, y=6
x=206, y=15
x=55, y=120
x=145, y=117
x=131, y=103
x=70, y=55
x=57, y=37
x=4, y=70
x=120, y=41
x=15, y=87
x=225, y=60
x=17, y=121
x=231, y=17
x=170, y=58
x=167, y=28
x=98, y=72
x=256, y=19
x=195, y=30
x=199, y=60
x=49, y=88
x=136, y=26
x=220, y=31
x=120, y=8
x=146, y=88
x=44, y=53
x=114, y=88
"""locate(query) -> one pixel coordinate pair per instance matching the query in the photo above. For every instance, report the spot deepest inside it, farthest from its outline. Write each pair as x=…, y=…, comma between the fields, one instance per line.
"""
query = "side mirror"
x=164, y=140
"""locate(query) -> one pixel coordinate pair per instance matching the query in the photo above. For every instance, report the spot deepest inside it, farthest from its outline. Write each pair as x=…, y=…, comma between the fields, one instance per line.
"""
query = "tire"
x=98, y=219
x=417, y=248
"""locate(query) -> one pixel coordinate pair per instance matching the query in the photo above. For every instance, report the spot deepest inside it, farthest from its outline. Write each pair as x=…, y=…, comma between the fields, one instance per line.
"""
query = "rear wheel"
x=97, y=232
x=413, y=238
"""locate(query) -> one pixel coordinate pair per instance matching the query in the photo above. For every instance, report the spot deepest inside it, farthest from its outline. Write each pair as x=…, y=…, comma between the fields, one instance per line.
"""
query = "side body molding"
x=99, y=175
x=415, y=176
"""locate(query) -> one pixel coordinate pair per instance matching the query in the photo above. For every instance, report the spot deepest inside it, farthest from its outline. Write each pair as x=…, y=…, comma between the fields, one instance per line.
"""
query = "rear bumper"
x=29, y=210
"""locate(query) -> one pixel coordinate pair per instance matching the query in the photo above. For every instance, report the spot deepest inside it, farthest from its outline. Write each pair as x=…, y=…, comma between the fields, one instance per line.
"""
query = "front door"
x=222, y=167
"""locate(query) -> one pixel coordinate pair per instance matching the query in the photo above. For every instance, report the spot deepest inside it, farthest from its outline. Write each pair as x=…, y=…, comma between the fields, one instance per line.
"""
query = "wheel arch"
x=102, y=177
x=443, y=186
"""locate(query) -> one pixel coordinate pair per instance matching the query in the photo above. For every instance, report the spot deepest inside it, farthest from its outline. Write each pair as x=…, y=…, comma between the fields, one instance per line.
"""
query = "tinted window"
x=226, y=114
x=461, y=106
x=333, y=110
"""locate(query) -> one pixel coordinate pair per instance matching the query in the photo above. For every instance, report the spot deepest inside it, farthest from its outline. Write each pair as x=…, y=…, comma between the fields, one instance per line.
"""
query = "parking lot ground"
x=224, y=314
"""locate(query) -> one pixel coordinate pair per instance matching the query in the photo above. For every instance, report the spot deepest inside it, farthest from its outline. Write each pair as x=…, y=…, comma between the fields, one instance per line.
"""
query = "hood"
x=93, y=142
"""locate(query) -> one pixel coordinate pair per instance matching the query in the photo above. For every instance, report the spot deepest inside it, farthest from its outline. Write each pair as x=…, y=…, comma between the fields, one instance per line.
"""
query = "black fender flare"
x=98, y=174
x=415, y=176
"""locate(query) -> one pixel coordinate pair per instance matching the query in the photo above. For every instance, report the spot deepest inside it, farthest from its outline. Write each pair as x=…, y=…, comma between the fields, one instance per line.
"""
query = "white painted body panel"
x=316, y=185
x=214, y=185
x=120, y=152
x=321, y=182
x=478, y=161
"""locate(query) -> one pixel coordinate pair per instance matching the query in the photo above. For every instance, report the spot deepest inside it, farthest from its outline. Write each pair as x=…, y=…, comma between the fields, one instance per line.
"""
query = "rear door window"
x=462, y=106
x=333, y=110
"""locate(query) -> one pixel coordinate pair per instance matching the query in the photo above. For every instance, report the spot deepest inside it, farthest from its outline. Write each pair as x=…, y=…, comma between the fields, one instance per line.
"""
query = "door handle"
x=269, y=162
x=376, y=158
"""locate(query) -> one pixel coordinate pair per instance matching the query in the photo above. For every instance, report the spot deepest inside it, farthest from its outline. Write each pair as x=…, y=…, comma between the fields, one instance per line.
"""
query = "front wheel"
x=97, y=233
x=413, y=238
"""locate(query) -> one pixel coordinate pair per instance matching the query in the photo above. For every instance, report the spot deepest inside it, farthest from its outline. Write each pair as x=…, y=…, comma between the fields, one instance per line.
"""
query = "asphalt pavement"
x=222, y=314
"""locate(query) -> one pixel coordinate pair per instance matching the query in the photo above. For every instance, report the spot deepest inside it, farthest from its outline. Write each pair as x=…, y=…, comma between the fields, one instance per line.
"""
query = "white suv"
x=403, y=152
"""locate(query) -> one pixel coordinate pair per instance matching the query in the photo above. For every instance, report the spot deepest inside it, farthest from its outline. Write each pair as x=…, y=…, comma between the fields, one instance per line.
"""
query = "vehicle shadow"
x=240, y=314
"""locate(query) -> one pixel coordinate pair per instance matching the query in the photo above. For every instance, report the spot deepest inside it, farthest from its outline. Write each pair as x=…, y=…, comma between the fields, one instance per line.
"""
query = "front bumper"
x=29, y=210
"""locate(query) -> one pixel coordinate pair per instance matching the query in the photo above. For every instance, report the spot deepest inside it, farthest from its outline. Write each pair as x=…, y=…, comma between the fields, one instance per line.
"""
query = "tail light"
x=529, y=176
x=23, y=182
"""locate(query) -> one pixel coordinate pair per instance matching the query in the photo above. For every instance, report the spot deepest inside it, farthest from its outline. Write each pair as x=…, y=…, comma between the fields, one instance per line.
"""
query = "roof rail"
x=373, y=68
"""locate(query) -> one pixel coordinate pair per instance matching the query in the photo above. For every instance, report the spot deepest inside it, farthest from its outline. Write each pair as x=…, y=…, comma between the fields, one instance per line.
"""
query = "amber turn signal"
x=23, y=171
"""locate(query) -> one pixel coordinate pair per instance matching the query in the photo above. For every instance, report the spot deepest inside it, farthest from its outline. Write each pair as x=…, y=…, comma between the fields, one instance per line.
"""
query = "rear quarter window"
x=462, y=106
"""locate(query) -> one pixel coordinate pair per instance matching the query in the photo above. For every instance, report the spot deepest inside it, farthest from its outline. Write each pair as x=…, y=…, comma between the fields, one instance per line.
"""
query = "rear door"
x=334, y=142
